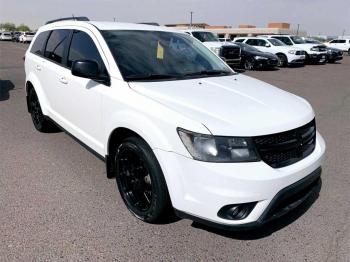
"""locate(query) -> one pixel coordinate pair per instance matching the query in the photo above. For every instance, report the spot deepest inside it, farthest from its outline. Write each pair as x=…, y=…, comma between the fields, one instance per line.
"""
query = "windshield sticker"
x=160, y=51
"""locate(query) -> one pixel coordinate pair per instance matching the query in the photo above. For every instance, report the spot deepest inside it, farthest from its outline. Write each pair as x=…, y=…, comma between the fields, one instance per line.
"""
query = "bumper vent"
x=286, y=148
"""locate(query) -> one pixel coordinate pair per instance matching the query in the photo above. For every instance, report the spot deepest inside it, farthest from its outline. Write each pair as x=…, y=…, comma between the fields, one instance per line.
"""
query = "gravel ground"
x=56, y=203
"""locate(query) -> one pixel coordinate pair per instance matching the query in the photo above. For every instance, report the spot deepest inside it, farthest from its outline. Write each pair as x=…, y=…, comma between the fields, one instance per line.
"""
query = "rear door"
x=254, y=42
x=52, y=67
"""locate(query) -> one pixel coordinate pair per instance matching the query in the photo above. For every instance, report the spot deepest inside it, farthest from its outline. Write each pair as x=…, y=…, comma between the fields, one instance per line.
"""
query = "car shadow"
x=268, y=228
x=5, y=87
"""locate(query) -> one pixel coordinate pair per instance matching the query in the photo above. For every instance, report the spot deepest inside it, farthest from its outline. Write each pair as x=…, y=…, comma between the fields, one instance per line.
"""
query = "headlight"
x=216, y=50
x=314, y=49
x=292, y=52
x=222, y=149
x=257, y=57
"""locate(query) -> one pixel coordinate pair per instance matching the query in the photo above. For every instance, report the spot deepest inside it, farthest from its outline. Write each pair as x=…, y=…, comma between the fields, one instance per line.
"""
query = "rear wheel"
x=41, y=123
x=141, y=182
x=349, y=51
x=282, y=60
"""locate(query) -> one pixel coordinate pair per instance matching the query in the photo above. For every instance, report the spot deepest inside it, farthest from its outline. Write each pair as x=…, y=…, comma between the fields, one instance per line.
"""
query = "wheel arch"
x=32, y=82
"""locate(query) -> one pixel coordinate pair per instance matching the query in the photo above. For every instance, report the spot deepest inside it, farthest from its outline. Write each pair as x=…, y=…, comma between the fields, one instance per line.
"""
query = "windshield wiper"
x=209, y=73
x=141, y=77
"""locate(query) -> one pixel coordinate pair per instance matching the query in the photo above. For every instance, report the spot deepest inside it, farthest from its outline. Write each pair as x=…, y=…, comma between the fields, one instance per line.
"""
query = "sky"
x=317, y=17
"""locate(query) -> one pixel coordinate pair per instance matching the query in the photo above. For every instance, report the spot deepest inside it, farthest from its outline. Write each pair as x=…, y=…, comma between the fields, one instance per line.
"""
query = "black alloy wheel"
x=41, y=123
x=141, y=182
x=249, y=64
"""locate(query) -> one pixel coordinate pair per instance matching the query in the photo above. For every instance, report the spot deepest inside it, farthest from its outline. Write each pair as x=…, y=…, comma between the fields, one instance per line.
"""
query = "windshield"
x=157, y=55
x=312, y=41
x=298, y=40
x=205, y=36
x=276, y=42
x=246, y=47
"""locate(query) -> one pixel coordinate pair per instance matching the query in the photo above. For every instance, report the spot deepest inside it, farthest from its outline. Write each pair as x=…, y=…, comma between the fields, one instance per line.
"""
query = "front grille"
x=231, y=52
x=321, y=48
x=286, y=148
x=300, y=52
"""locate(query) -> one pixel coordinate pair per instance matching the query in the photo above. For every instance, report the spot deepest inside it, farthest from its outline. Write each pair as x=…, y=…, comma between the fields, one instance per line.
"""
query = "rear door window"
x=39, y=43
x=285, y=40
x=252, y=42
x=56, y=45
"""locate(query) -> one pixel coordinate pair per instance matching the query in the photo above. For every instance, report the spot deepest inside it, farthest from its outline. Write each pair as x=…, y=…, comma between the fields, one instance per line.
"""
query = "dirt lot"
x=56, y=203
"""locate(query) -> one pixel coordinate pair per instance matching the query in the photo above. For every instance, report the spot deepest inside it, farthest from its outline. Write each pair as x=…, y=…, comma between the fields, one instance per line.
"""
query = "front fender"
x=158, y=135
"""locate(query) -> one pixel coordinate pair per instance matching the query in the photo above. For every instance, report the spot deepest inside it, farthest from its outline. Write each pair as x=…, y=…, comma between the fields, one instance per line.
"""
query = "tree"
x=22, y=27
x=8, y=26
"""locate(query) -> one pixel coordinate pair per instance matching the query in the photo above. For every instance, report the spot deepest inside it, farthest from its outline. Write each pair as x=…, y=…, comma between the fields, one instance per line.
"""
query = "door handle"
x=63, y=80
x=38, y=67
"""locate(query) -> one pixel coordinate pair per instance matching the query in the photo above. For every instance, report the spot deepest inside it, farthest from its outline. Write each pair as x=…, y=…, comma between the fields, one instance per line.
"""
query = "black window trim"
x=65, y=53
x=68, y=49
x=43, y=46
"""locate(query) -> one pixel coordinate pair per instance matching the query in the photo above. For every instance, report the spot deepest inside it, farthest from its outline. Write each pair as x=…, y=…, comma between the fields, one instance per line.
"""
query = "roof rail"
x=149, y=23
x=75, y=18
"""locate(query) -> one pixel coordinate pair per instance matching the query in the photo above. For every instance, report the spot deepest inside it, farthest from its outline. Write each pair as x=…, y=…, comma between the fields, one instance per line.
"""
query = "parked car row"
x=263, y=51
x=22, y=37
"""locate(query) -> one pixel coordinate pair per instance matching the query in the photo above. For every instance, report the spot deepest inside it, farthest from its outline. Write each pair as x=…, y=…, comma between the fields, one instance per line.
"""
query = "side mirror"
x=89, y=69
x=267, y=45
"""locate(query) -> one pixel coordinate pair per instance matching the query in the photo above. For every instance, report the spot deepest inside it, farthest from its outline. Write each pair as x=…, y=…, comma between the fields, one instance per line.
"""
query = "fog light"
x=237, y=211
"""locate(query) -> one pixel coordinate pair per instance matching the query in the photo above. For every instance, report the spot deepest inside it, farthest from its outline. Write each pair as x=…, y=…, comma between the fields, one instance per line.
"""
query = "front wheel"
x=141, y=182
x=282, y=60
x=249, y=64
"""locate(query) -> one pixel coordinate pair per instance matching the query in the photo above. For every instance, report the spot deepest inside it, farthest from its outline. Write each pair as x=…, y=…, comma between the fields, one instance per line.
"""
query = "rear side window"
x=341, y=41
x=83, y=48
x=285, y=40
x=252, y=42
x=39, y=43
x=56, y=45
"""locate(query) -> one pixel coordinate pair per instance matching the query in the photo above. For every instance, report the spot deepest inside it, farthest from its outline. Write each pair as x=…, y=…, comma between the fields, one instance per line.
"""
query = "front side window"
x=39, y=43
x=240, y=40
x=56, y=45
x=205, y=36
x=149, y=55
x=83, y=47
x=341, y=41
x=275, y=42
x=298, y=40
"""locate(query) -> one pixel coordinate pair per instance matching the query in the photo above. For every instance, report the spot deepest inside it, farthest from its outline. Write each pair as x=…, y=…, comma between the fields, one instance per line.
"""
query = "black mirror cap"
x=85, y=68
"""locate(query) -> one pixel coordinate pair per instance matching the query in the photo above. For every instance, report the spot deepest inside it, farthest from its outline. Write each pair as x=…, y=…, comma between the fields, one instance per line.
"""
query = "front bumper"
x=233, y=62
x=295, y=59
x=265, y=63
x=199, y=189
x=317, y=57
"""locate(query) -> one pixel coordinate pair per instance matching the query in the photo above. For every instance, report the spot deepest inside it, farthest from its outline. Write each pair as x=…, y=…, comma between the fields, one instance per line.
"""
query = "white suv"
x=177, y=127
x=315, y=53
x=288, y=55
x=26, y=37
x=342, y=44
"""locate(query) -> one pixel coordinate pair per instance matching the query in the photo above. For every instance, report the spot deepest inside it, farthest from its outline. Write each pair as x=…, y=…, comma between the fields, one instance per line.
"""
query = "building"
x=244, y=29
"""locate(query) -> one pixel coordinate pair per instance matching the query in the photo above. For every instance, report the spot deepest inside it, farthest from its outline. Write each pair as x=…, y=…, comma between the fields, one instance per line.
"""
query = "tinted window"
x=205, y=36
x=239, y=40
x=142, y=55
x=285, y=40
x=39, y=44
x=341, y=41
x=252, y=42
x=83, y=47
x=56, y=45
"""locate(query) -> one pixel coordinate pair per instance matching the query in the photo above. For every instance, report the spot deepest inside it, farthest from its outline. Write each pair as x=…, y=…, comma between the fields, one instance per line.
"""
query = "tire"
x=40, y=122
x=249, y=64
x=349, y=52
x=282, y=60
x=141, y=182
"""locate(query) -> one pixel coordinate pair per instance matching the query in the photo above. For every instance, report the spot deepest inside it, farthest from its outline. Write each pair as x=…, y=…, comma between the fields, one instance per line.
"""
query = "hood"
x=308, y=46
x=264, y=54
x=230, y=105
